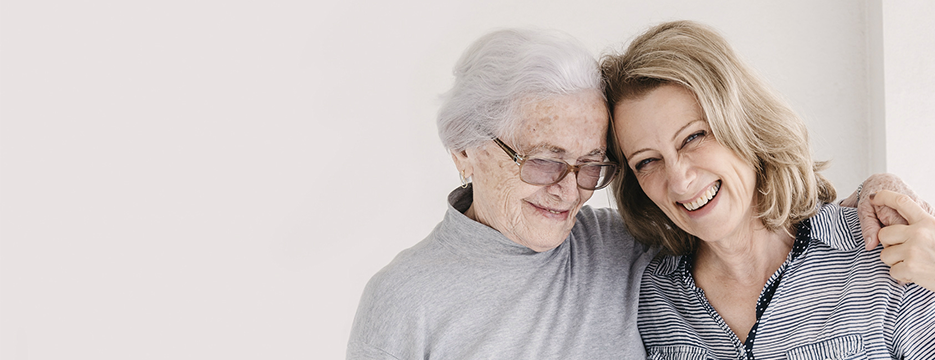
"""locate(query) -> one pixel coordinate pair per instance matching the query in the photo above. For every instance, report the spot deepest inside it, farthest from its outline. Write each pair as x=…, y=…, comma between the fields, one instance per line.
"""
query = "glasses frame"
x=521, y=159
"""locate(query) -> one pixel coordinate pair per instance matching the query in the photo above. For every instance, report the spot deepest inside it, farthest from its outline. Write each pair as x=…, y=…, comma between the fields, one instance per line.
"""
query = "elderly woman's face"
x=570, y=128
x=701, y=185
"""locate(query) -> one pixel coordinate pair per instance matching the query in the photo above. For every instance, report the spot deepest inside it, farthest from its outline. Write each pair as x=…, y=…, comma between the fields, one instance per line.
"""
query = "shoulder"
x=602, y=216
x=664, y=280
x=837, y=227
x=835, y=245
x=405, y=277
x=604, y=228
x=664, y=266
x=389, y=318
x=600, y=222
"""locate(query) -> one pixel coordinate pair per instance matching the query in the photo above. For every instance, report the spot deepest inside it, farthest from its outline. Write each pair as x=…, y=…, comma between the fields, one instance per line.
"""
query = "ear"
x=463, y=162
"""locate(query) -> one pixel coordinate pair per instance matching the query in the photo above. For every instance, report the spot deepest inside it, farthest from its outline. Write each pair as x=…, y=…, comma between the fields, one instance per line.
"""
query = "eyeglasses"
x=533, y=171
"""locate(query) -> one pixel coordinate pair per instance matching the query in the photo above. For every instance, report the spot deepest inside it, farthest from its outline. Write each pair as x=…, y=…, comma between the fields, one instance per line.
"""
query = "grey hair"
x=502, y=71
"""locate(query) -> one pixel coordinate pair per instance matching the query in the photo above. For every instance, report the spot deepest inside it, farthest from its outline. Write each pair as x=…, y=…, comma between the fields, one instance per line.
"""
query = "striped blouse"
x=830, y=299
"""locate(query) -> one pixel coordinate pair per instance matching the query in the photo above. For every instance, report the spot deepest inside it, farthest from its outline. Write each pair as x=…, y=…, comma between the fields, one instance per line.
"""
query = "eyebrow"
x=560, y=151
x=684, y=127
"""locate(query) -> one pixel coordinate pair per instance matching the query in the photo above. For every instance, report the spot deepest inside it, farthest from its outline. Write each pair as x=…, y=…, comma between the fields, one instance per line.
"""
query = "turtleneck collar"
x=476, y=241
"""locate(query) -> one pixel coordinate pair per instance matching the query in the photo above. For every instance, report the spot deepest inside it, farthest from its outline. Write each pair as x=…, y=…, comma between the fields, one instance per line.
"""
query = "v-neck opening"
x=799, y=246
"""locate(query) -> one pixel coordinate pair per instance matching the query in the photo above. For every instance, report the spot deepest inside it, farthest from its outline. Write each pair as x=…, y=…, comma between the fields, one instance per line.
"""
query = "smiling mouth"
x=703, y=200
x=548, y=210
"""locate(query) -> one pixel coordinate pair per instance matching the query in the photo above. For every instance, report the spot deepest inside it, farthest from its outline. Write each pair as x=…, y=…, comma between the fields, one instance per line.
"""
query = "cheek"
x=496, y=176
x=746, y=174
x=653, y=186
x=509, y=201
x=509, y=193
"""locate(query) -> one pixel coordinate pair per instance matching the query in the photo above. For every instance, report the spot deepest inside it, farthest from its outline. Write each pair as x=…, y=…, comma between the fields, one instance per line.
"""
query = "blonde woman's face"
x=701, y=185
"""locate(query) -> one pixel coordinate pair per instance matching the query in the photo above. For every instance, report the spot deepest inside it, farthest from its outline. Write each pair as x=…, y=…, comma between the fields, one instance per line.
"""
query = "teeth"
x=704, y=198
x=555, y=212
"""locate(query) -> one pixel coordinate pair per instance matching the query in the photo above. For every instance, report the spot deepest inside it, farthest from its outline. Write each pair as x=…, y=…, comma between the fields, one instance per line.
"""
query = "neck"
x=749, y=257
x=470, y=213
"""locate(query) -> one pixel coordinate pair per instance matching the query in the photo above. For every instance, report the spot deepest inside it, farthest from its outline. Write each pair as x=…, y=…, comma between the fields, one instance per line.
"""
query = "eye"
x=694, y=136
x=642, y=163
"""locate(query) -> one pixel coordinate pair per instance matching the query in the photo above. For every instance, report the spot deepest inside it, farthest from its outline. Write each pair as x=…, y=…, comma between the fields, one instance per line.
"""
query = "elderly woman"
x=518, y=268
x=759, y=264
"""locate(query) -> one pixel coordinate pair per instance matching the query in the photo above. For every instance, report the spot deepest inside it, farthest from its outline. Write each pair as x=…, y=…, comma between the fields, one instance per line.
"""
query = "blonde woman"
x=759, y=263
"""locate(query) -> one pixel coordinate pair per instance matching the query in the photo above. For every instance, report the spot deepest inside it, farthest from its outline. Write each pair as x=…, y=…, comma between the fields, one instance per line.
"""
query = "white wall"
x=211, y=179
x=909, y=73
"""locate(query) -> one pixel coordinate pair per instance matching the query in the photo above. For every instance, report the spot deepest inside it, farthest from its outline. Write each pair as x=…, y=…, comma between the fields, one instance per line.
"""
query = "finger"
x=901, y=273
x=894, y=235
x=869, y=225
x=892, y=254
x=903, y=204
x=887, y=216
x=870, y=229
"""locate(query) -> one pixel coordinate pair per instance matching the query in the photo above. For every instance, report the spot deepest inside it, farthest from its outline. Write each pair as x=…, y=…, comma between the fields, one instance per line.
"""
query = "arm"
x=380, y=330
x=358, y=350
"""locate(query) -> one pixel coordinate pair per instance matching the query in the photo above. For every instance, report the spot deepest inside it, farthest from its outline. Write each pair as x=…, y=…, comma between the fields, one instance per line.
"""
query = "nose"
x=679, y=175
x=567, y=188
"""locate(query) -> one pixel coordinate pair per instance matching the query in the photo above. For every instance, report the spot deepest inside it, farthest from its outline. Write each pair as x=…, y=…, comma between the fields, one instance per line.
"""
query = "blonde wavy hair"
x=744, y=114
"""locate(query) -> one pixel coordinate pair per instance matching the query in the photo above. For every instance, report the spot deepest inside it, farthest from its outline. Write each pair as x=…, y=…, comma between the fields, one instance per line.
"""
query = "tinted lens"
x=589, y=176
x=542, y=172
x=594, y=177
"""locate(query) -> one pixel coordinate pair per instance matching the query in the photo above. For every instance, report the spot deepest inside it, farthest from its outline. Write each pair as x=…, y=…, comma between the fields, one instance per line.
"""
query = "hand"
x=872, y=218
x=909, y=249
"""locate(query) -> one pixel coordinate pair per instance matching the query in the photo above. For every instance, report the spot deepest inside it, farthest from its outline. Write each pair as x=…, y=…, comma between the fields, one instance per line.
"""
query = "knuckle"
x=902, y=272
x=897, y=272
x=884, y=256
x=884, y=233
x=903, y=200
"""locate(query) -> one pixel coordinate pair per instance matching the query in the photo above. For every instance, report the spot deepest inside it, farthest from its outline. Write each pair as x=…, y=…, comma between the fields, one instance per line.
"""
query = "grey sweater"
x=468, y=292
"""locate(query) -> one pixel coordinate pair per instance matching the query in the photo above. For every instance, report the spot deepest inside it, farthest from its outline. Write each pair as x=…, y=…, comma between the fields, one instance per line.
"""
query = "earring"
x=464, y=182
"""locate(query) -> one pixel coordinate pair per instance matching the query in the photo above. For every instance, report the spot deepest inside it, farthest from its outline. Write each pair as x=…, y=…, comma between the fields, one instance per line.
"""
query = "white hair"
x=502, y=71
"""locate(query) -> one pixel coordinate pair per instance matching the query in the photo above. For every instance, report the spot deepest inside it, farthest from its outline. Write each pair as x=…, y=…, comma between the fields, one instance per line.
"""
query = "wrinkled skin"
x=569, y=128
x=873, y=217
x=890, y=213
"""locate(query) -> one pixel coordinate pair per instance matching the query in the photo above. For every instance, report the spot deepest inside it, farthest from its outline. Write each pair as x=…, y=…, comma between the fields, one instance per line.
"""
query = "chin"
x=547, y=246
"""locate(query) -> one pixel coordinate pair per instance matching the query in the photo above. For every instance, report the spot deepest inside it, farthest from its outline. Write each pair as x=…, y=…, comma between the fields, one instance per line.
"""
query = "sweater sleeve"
x=389, y=321
x=360, y=351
